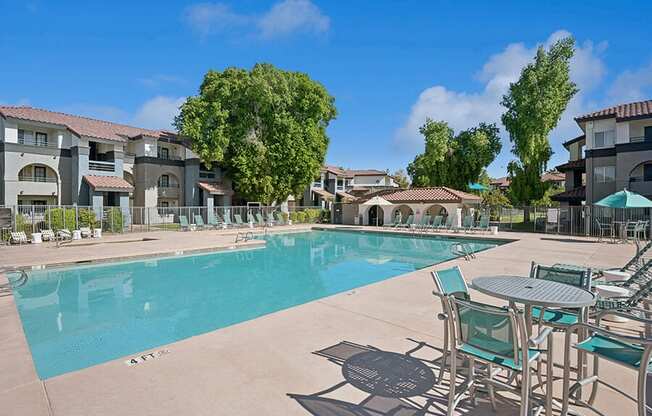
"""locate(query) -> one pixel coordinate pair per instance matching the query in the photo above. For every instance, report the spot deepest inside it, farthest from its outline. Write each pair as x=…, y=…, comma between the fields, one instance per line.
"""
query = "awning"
x=324, y=194
x=346, y=196
x=108, y=183
x=215, y=188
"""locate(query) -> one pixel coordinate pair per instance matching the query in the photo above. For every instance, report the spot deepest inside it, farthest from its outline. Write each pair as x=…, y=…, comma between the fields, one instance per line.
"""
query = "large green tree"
x=534, y=105
x=454, y=160
x=266, y=127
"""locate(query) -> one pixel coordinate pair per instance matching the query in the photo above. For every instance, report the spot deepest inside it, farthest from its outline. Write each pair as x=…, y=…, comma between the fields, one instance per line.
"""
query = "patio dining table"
x=542, y=293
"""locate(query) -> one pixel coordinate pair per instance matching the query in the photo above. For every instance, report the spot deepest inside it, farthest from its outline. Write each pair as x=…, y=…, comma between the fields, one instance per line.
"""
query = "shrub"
x=312, y=215
x=325, y=216
x=87, y=218
x=114, y=220
x=22, y=224
x=61, y=218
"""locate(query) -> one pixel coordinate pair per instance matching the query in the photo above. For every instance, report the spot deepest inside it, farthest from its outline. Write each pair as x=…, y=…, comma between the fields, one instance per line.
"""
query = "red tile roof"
x=579, y=164
x=81, y=126
x=215, y=188
x=553, y=177
x=432, y=194
x=504, y=181
x=349, y=173
x=621, y=112
x=346, y=196
x=323, y=193
x=574, y=195
x=108, y=183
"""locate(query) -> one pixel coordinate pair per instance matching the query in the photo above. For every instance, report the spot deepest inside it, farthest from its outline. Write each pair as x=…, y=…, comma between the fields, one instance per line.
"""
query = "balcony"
x=37, y=142
x=101, y=166
x=640, y=139
x=23, y=178
x=168, y=157
x=640, y=185
x=168, y=191
x=37, y=185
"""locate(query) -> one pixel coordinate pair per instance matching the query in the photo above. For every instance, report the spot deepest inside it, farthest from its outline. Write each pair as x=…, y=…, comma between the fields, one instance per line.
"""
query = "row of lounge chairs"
x=439, y=222
x=20, y=237
x=216, y=221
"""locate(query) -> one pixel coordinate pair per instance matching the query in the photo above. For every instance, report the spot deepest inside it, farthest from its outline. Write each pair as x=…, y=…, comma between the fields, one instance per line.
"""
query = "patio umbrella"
x=625, y=199
x=477, y=187
x=377, y=201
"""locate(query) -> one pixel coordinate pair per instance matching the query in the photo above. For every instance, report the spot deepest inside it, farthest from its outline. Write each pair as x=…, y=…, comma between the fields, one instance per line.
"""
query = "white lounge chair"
x=19, y=237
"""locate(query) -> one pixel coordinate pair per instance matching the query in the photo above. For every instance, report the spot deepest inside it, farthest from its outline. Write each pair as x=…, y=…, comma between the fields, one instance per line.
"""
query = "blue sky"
x=389, y=64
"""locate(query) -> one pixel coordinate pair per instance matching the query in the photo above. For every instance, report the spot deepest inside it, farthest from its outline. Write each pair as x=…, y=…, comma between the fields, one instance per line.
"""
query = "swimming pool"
x=81, y=316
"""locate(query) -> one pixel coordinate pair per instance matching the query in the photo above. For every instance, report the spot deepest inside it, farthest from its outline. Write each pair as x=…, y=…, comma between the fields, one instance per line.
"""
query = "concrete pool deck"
x=249, y=368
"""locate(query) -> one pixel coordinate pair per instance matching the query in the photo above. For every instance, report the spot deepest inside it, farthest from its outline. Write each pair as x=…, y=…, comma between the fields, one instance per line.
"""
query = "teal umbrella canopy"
x=625, y=199
x=477, y=187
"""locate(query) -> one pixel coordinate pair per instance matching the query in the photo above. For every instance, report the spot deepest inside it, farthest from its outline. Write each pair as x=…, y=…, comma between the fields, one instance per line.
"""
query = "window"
x=39, y=173
x=319, y=183
x=604, y=138
x=25, y=136
x=163, y=153
x=604, y=174
x=648, y=133
x=164, y=181
x=41, y=139
x=340, y=184
x=164, y=204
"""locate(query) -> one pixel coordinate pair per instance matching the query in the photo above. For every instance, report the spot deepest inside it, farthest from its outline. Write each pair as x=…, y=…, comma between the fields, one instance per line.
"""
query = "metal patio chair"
x=496, y=337
x=625, y=350
x=605, y=230
x=448, y=282
x=436, y=223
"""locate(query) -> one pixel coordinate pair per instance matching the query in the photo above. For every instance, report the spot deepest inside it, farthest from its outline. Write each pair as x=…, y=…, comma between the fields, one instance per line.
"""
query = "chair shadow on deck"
x=393, y=384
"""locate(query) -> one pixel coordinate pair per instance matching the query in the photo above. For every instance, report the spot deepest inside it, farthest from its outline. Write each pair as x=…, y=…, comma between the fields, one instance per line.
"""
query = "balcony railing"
x=37, y=142
x=206, y=175
x=169, y=157
x=640, y=139
x=168, y=185
x=23, y=178
x=101, y=166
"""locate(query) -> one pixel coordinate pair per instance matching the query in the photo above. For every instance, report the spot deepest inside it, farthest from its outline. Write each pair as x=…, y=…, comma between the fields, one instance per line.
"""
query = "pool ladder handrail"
x=244, y=236
x=21, y=281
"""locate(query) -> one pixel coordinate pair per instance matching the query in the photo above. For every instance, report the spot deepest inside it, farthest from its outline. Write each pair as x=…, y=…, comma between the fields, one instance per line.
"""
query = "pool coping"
x=253, y=244
x=409, y=233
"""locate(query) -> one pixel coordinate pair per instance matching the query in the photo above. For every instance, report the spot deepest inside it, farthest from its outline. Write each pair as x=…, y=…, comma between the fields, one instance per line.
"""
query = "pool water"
x=81, y=316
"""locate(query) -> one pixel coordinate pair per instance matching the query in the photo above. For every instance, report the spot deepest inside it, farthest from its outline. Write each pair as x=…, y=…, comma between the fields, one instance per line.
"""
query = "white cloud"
x=632, y=85
x=156, y=81
x=292, y=16
x=211, y=18
x=284, y=18
x=466, y=109
x=158, y=112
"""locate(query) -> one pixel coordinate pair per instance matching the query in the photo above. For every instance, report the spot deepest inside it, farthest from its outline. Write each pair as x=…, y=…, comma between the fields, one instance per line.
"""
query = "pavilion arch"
x=435, y=210
x=375, y=215
x=405, y=211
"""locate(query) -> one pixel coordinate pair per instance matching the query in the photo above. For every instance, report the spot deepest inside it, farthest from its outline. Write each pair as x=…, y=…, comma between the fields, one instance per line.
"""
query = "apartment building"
x=614, y=153
x=336, y=184
x=50, y=158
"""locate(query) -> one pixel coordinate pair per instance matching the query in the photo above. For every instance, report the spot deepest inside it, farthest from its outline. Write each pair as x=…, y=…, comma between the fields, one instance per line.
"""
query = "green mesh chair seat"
x=199, y=221
x=436, y=222
x=467, y=222
x=556, y=316
x=425, y=220
x=500, y=360
x=613, y=350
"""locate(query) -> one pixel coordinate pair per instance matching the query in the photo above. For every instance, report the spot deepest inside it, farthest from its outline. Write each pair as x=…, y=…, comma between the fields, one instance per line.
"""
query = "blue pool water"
x=80, y=316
